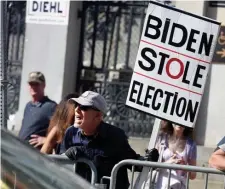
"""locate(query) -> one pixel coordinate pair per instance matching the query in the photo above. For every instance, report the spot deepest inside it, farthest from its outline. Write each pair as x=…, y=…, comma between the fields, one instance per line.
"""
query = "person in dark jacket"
x=90, y=137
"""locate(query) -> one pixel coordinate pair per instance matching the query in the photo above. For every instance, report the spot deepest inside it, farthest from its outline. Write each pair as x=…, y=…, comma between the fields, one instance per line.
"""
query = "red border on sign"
x=167, y=83
x=175, y=52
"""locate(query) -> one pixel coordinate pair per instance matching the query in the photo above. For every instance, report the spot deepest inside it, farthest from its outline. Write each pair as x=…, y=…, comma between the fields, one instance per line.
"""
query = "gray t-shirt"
x=36, y=118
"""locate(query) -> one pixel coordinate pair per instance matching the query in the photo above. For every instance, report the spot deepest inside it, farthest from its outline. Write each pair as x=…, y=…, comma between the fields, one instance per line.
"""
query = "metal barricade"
x=166, y=166
x=66, y=162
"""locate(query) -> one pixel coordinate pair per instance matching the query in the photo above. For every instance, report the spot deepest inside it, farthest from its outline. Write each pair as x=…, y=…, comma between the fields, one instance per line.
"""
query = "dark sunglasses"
x=85, y=108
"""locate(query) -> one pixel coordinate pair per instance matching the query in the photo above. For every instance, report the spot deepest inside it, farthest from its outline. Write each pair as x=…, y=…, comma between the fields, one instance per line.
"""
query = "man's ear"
x=99, y=116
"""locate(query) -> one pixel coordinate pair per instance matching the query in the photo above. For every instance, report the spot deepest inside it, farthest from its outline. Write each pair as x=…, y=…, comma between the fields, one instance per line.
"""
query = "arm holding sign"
x=217, y=159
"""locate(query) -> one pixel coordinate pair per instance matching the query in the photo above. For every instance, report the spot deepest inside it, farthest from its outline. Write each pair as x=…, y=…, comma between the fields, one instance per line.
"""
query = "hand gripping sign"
x=173, y=59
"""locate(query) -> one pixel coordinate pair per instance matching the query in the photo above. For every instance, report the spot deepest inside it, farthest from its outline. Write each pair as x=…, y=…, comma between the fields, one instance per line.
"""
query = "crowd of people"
x=75, y=127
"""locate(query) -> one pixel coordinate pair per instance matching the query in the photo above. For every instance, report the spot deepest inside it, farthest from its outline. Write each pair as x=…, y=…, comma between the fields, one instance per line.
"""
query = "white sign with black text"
x=48, y=12
x=173, y=59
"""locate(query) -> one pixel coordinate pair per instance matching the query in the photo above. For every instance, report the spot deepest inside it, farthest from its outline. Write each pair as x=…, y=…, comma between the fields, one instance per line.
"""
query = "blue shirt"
x=36, y=118
x=108, y=147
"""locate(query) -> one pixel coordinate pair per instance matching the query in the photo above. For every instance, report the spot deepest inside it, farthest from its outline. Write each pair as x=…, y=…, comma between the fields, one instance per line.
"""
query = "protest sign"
x=173, y=59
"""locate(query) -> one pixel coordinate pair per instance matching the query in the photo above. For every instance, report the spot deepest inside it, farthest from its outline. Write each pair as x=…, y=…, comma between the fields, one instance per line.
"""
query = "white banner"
x=174, y=55
x=48, y=12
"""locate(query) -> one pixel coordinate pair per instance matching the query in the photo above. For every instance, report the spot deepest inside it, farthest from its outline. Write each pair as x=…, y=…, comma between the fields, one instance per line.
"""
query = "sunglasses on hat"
x=85, y=108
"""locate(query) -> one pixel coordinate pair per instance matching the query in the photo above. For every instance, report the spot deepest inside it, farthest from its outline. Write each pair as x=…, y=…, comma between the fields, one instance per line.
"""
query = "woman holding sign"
x=176, y=145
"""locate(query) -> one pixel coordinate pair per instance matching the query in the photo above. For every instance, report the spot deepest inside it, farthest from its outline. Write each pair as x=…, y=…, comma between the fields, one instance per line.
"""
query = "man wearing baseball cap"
x=90, y=137
x=37, y=112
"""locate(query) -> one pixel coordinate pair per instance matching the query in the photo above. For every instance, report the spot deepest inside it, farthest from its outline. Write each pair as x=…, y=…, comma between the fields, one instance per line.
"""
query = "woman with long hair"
x=60, y=121
x=178, y=148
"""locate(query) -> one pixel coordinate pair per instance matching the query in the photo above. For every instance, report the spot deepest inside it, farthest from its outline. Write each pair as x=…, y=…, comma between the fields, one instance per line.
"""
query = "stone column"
x=52, y=49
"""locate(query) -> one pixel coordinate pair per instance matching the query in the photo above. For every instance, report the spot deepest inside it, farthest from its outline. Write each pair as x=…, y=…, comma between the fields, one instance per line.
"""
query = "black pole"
x=3, y=63
x=129, y=37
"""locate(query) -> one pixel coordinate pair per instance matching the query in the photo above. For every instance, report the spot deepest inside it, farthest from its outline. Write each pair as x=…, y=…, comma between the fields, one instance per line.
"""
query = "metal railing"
x=166, y=166
x=72, y=165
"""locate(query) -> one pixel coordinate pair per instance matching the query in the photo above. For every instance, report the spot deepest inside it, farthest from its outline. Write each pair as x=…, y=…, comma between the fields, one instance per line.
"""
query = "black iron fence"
x=110, y=36
x=15, y=43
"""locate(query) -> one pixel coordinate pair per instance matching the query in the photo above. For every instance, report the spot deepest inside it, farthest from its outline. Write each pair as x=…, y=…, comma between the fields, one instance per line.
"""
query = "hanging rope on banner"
x=3, y=63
